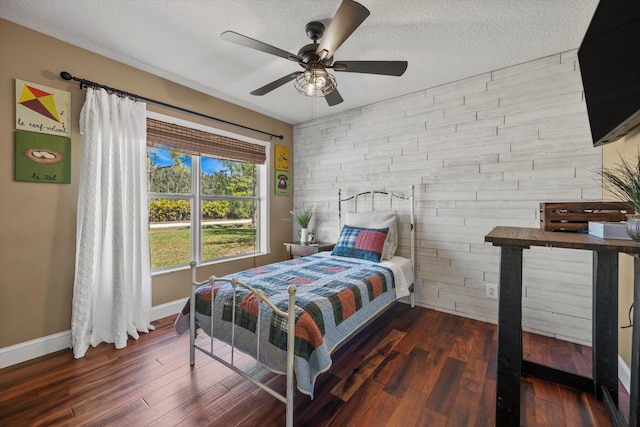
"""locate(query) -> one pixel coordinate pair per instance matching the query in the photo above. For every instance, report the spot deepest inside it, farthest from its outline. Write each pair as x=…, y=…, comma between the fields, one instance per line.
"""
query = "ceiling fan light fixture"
x=315, y=58
x=315, y=81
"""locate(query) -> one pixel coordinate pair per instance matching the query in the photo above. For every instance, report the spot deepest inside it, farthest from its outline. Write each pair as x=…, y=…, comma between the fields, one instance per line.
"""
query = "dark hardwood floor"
x=409, y=368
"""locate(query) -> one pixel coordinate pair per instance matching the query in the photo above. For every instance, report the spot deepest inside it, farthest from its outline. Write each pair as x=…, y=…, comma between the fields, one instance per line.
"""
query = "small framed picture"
x=282, y=183
x=42, y=158
x=42, y=109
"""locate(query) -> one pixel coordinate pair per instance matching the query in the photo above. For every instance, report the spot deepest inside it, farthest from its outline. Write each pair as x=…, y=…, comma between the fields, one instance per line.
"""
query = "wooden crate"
x=575, y=216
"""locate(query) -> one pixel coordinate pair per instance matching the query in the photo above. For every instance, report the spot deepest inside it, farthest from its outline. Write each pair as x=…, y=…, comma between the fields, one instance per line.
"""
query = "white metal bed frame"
x=287, y=399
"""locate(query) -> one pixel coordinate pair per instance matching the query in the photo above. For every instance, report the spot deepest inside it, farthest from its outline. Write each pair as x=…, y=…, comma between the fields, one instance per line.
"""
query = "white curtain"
x=112, y=288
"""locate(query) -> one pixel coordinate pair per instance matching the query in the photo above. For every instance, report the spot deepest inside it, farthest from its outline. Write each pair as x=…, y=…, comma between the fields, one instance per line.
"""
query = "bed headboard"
x=380, y=197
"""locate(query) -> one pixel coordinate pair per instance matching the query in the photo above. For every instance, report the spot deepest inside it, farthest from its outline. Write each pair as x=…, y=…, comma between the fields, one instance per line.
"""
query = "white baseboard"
x=167, y=309
x=624, y=374
x=35, y=348
x=41, y=346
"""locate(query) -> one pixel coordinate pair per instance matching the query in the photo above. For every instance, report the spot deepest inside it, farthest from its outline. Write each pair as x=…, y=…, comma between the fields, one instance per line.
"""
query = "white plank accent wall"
x=482, y=152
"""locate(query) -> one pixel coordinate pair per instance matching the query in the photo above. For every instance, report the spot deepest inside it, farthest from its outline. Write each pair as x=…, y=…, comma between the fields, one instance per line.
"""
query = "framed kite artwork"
x=42, y=109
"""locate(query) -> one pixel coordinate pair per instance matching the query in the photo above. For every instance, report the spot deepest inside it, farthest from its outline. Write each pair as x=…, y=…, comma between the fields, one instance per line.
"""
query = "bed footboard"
x=290, y=315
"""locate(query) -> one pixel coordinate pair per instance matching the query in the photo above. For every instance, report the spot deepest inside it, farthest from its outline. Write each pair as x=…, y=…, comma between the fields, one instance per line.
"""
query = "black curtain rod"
x=86, y=83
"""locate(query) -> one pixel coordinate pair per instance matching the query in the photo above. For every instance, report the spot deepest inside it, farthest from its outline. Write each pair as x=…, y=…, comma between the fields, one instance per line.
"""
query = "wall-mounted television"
x=609, y=59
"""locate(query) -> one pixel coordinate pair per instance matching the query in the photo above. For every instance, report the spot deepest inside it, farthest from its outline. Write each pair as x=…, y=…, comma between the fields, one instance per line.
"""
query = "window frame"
x=262, y=197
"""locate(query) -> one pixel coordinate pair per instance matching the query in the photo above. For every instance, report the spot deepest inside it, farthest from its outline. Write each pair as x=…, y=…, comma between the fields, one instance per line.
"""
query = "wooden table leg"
x=509, y=338
x=634, y=409
x=605, y=323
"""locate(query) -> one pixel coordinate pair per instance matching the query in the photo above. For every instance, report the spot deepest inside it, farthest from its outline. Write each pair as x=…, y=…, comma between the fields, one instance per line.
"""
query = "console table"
x=604, y=383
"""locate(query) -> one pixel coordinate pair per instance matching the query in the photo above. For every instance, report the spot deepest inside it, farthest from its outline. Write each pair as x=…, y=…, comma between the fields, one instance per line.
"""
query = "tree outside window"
x=222, y=194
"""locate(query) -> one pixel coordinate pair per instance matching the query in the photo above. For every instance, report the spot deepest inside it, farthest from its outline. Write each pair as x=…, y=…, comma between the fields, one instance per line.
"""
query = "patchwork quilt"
x=334, y=296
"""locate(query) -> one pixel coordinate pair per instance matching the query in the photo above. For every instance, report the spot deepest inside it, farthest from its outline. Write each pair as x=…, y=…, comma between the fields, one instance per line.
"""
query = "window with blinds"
x=207, y=196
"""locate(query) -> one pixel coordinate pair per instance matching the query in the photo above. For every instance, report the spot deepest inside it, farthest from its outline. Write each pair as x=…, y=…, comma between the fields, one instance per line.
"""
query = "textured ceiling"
x=443, y=41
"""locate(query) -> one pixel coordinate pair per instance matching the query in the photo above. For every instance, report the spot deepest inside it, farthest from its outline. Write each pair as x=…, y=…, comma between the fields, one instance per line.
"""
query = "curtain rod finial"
x=66, y=76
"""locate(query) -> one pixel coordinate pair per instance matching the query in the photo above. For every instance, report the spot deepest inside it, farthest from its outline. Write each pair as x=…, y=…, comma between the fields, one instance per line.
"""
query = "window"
x=207, y=194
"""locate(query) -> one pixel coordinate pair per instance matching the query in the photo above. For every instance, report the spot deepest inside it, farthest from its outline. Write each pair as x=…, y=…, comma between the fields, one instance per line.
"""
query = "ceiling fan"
x=316, y=58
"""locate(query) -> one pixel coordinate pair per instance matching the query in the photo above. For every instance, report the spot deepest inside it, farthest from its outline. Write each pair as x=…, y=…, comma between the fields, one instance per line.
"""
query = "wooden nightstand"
x=297, y=249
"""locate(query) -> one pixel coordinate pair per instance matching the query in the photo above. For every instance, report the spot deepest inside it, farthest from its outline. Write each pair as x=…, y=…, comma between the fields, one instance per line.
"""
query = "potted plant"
x=303, y=217
x=623, y=181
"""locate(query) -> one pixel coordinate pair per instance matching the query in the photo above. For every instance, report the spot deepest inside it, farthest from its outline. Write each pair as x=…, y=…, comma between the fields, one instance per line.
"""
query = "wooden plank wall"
x=482, y=152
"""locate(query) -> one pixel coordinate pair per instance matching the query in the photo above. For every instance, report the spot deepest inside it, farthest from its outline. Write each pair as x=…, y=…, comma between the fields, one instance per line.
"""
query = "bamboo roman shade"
x=171, y=136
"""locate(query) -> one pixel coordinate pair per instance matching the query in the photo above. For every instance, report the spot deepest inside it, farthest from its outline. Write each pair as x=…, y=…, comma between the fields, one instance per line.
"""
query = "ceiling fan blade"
x=348, y=17
x=275, y=84
x=245, y=41
x=333, y=98
x=387, y=68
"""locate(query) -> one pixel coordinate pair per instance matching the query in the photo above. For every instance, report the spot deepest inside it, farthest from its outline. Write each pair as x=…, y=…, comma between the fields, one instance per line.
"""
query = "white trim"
x=35, y=348
x=28, y=350
x=624, y=374
x=167, y=309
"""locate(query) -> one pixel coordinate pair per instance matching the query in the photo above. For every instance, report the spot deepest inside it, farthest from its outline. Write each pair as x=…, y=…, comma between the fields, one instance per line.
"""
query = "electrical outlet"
x=492, y=291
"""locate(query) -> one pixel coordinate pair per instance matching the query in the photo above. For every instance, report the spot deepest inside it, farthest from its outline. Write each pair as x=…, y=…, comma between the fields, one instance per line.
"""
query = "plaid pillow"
x=363, y=243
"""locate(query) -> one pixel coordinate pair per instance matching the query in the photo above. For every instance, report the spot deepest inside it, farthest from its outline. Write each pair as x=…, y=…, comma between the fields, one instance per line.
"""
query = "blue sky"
x=208, y=165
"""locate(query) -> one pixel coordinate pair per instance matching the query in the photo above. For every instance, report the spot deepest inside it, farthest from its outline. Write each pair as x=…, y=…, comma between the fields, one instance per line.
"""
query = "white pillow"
x=379, y=219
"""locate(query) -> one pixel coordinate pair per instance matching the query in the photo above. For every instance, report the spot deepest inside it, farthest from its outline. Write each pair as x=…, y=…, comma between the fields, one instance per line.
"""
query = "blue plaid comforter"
x=335, y=295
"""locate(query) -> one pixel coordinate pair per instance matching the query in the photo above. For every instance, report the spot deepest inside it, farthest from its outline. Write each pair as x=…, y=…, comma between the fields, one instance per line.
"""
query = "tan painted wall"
x=627, y=148
x=37, y=236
